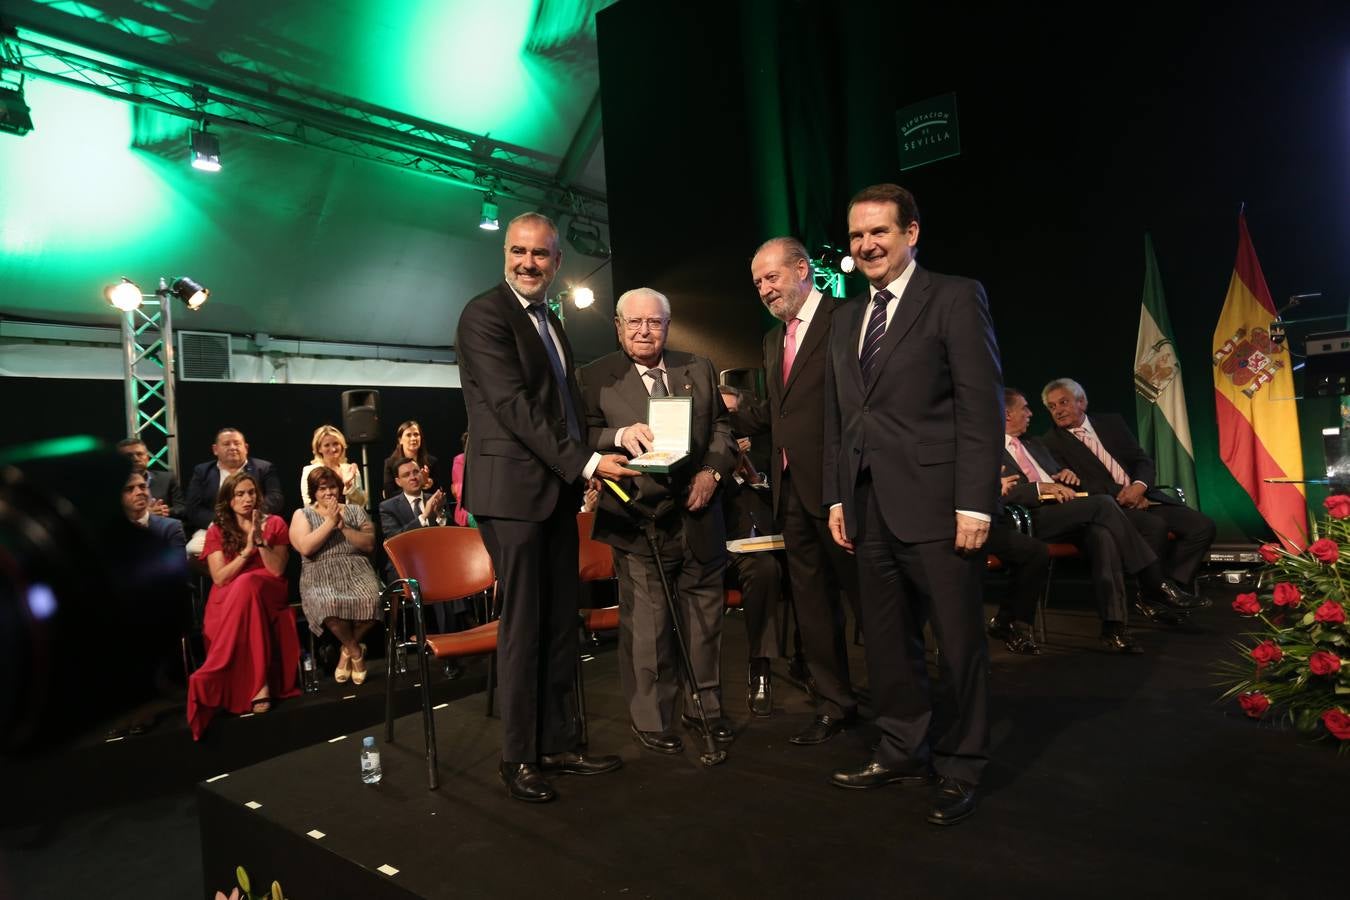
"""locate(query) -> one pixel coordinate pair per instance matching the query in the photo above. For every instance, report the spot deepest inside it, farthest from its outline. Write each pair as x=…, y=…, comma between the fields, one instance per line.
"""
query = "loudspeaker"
x=361, y=416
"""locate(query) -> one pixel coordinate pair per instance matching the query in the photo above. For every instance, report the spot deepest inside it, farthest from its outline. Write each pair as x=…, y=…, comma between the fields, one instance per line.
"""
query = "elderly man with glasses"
x=686, y=504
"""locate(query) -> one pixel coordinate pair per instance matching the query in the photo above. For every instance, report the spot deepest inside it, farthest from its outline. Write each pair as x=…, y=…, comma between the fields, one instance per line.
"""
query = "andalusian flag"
x=1159, y=401
x=1254, y=393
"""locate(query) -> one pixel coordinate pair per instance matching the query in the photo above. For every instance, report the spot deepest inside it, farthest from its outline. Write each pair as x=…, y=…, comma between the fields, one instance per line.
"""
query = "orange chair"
x=595, y=562
x=436, y=565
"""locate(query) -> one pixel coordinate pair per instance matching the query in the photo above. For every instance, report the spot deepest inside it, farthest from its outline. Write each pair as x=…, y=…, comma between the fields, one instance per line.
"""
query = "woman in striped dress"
x=338, y=587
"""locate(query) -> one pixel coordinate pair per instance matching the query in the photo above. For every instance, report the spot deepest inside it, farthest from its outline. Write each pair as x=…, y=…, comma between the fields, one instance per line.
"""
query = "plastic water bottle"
x=370, y=761
x=311, y=677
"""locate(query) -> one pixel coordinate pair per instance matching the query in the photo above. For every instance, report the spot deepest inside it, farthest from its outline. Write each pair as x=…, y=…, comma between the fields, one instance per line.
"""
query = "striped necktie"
x=876, y=331
x=1090, y=441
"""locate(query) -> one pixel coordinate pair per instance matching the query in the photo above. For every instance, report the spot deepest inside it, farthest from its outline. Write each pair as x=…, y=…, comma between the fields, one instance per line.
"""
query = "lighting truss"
x=147, y=367
x=280, y=109
x=829, y=282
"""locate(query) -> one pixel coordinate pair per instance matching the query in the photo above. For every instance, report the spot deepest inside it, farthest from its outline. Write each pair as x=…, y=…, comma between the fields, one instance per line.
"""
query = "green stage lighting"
x=14, y=117
x=190, y=292
x=125, y=295
x=487, y=218
x=205, y=152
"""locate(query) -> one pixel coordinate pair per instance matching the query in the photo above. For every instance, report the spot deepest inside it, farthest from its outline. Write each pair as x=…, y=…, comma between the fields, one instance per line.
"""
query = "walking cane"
x=712, y=754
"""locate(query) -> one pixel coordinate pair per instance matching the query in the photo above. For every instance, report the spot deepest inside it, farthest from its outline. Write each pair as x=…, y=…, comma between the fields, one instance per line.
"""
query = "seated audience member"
x=231, y=457
x=409, y=445
x=338, y=587
x=747, y=506
x=137, y=505
x=461, y=516
x=1109, y=461
x=169, y=557
x=415, y=508
x=330, y=449
x=166, y=497
x=1095, y=523
x=1027, y=563
x=252, y=651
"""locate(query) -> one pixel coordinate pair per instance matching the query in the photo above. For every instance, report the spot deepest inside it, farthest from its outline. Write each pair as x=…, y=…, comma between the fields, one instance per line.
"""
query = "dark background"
x=1082, y=129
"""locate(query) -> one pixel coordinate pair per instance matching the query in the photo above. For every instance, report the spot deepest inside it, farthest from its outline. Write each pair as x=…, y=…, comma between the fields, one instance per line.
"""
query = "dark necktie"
x=540, y=314
x=876, y=331
x=417, y=507
x=658, y=383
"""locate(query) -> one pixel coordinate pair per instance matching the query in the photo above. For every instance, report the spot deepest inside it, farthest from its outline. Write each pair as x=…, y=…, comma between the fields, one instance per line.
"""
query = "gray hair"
x=642, y=292
x=535, y=218
x=792, y=249
x=1067, y=384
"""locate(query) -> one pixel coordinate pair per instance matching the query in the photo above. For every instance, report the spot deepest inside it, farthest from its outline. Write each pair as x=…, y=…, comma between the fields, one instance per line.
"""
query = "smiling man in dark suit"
x=686, y=504
x=231, y=455
x=1109, y=461
x=822, y=574
x=525, y=467
x=913, y=437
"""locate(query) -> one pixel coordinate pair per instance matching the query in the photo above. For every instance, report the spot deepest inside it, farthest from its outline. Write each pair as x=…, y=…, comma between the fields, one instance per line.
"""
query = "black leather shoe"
x=875, y=775
x=661, y=743
x=1121, y=643
x=999, y=628
x=722, y=732
x=1168, y=594
x=821, y=729
x=1161, y=614
x=1019, y=640
x=525, y=782
x=759, y=695
x=955, y=802
x=579, y=763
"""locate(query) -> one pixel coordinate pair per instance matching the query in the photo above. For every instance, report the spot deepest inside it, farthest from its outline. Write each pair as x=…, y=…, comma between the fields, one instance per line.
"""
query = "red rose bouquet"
x=1297, y=664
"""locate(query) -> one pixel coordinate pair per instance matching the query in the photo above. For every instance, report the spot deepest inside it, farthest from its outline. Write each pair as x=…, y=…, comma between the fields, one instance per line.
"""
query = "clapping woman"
x=338, y=588
x=252, y=651
x=409, y=444
x=330, y=449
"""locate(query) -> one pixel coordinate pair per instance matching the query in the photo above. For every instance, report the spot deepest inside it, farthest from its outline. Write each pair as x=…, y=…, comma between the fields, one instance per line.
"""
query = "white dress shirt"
x=897, y=289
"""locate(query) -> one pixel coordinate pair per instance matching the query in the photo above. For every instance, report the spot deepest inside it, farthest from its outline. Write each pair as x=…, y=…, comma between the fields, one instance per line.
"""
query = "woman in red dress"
x=252, y=650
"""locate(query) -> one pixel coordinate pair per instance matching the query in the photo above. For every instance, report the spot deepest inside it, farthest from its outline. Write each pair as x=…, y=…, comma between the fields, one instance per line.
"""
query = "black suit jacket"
x=931, y=419
x=168, y=530
x=205, y=485
x=396, y=515
x=1024, y=492
x=520, y=460
x=616, y=397
x=164, y=486
x=1115, y=436
x=797, y=409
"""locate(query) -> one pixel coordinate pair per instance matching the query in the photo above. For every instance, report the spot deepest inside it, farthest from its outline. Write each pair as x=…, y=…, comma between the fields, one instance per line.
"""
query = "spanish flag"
x=1254, y=394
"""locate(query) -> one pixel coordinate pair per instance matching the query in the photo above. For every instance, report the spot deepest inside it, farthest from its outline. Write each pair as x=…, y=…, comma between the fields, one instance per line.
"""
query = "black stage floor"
x=1110, y=777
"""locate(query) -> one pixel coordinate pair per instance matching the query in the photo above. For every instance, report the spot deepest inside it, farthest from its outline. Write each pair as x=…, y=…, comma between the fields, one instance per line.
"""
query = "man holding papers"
x=687, y=507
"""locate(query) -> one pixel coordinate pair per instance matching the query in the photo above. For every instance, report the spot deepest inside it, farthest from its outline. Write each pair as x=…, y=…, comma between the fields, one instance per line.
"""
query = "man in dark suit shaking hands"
x=525, y=468
x=913, y=441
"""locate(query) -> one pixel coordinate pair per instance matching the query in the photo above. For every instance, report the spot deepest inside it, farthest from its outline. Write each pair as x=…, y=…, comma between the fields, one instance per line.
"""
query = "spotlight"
x=125, y=295
x=585, y=239
x=190, y=292
x=205, y=152
x=487, y=218
x=831, y=257
x=582, y=297
x=14, y=117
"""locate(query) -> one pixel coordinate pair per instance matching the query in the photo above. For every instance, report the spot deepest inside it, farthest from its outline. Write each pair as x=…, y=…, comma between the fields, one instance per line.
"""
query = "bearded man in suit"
x=823, y=576
x=525, y=468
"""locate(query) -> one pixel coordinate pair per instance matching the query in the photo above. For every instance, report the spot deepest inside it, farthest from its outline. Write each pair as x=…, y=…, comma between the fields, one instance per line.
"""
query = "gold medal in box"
x=671, y=420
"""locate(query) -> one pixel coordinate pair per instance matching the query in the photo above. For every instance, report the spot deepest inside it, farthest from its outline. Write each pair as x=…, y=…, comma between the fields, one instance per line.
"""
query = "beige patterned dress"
x=338, y=581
